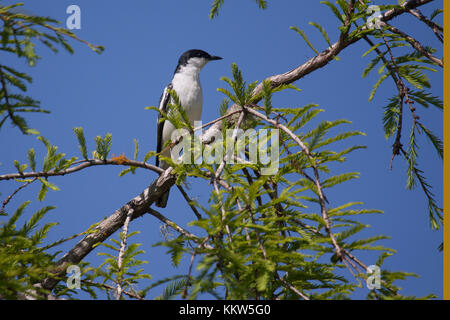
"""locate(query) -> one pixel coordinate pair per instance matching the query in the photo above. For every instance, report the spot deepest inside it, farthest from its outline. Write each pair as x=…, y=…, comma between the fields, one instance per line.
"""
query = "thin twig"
x=291, y=287
x=415, y=44
x=104, y=285
x=176, y=227
x=123, y=245
x=189, y=201
x=8, y=199
x=437, y=29
x=393, y=72
x=56, y=243
x=85, y=164
x=96, y=48
x=327, y=55
x=188, y=282
x=403, y=95
x=218, y=119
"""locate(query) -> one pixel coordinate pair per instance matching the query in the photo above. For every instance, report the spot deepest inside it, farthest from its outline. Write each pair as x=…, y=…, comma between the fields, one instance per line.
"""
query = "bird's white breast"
x=188, y=88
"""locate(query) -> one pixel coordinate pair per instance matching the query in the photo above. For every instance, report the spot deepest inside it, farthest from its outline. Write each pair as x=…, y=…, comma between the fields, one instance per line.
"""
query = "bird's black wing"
x=163, y=101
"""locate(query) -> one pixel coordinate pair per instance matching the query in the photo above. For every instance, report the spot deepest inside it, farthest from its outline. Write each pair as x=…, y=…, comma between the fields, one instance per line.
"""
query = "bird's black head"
x=196, y=56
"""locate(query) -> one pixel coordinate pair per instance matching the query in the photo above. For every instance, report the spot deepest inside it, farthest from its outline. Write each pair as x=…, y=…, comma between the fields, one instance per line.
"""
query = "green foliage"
x=391, y=116
x=333, y=9
x=81, y=141
x=435, y=140
x=435, y=13
x=52, y=162
x=103, y=146
x=109, y=274
x=303, y=35
x=407, y=68
x=215, y=7
x=322, y=31
x=242, y=94
x=22, y=260
x=224, y=106
x=175, y=286
x=426, y=99
x=414, y=174
x=132, y=169
x=267, y=97
x=176, y=114
x=217, y=4
x=20, y=33
x=266, y=231
x=173, y=289
x=31, y=159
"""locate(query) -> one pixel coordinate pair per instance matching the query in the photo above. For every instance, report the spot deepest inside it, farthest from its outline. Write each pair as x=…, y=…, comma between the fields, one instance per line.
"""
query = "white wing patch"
x=160, y=125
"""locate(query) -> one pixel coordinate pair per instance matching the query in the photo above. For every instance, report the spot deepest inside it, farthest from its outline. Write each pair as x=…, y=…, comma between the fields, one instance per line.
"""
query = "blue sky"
x=143, y=40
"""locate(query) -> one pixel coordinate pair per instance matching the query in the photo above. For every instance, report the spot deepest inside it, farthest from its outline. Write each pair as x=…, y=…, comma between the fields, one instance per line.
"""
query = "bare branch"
x=188, y=282
x=327, y=55
x=84, y=164
x=291, y=287
x=437, y=29
x=416, y=44
x=189, y=201
x=140, y=205
x=123, y=245
x=229, y=114
x=177, y=228
x=104, y=285
x=8, y=199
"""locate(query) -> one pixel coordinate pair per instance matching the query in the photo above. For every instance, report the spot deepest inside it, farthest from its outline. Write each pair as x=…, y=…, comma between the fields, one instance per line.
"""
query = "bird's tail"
x=161, y=202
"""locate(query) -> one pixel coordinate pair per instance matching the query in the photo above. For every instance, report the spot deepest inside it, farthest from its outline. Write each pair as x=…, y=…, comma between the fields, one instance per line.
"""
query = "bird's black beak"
x=215, y=58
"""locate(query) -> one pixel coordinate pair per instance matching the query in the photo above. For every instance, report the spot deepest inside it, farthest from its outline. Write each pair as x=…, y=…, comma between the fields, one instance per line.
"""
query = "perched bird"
x=186, y=84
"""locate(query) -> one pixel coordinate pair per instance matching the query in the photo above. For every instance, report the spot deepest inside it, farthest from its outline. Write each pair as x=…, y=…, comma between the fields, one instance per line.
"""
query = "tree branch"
x=176, y=227
x=140, y=205
x=106, y=286
x=123, y=245
x=189, y=202
x=416, y=44
x=8, y=199
x=291, y=287
x=324, y=57
x=437, y=29
x=84, y=164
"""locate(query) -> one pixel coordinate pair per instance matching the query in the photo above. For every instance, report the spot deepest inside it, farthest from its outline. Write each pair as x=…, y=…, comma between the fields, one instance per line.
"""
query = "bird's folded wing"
x=163, y=101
